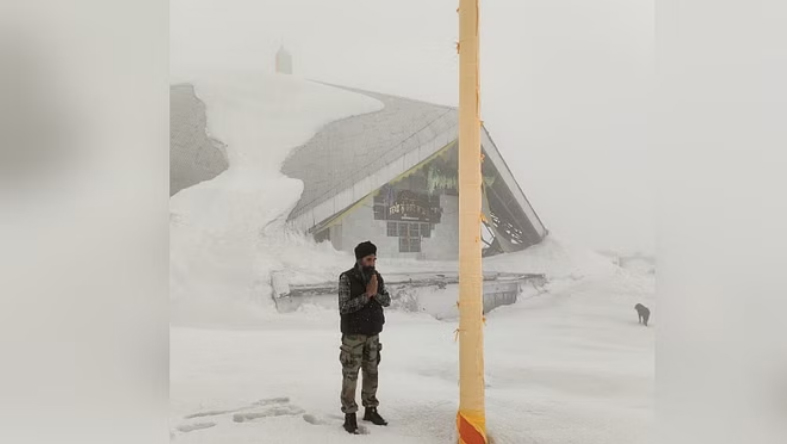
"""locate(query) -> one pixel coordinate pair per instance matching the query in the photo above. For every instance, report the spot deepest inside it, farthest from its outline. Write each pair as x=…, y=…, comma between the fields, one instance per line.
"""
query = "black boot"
x=351, y=423
x=374, y=417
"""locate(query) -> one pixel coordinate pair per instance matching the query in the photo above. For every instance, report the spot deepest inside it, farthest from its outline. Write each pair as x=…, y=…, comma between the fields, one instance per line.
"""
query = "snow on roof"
x=345, y=152
x=350, y=158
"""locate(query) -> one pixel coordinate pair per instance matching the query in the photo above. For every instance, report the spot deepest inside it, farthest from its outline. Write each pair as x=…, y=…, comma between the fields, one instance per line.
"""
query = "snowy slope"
x=228, y=233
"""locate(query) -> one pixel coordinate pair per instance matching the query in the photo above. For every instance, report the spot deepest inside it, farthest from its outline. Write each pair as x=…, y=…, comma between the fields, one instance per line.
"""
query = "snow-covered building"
x=388, y=176
x=391, y=177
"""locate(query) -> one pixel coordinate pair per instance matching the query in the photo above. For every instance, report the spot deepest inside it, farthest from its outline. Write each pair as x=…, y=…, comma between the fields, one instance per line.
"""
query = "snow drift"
x=229, y=233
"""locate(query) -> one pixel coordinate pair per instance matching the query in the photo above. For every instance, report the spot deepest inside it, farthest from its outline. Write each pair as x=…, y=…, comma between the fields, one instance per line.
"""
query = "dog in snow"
x=644, y=314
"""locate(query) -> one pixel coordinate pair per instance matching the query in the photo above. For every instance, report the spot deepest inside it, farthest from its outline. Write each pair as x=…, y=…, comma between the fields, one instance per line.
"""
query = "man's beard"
x=367, y=269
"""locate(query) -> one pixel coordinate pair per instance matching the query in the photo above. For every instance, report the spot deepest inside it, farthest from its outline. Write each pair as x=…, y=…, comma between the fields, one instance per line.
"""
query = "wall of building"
x=360, y=225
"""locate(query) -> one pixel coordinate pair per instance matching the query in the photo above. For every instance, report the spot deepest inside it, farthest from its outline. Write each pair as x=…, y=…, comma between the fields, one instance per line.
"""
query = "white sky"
x=565, y=85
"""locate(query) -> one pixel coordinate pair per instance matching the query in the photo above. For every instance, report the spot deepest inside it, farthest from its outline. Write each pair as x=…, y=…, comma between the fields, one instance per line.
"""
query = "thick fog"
x=564, y=86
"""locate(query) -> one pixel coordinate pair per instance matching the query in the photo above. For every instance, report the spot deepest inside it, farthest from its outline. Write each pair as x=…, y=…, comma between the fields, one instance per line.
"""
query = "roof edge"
x=516, y=189
x=375, y=94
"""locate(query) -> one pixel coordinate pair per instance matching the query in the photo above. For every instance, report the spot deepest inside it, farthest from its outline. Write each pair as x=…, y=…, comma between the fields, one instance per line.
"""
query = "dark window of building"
x=393, y=229
x=414, y=230
x=403, y=232
x=426, y=230
x=415, y=245
x=410, y=237
x=409, y=244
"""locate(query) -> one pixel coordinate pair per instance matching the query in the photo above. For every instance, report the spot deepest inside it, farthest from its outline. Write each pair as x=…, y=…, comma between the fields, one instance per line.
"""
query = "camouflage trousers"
x=359, y=352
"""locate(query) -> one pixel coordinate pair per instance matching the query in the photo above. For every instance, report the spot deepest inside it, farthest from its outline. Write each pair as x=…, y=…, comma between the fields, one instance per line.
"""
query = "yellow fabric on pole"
x=471, y=420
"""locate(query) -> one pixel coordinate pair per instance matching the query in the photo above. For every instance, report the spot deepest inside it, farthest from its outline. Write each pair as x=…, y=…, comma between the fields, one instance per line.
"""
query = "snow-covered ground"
x=570, y=366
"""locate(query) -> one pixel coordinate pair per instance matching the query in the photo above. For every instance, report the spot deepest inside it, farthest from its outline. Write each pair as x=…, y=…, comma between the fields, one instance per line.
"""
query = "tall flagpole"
x=471, y=420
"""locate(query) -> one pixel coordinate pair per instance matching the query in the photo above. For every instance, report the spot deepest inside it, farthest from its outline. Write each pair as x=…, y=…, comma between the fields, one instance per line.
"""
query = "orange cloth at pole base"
x=471, y=420
x=468, y=432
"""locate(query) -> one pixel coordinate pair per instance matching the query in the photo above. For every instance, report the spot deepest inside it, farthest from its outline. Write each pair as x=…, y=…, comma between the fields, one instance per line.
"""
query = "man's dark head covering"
x=365, y=249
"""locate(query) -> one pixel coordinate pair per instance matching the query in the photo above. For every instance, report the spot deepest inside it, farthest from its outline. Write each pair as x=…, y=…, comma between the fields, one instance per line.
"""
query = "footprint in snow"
x=186, y=428
x=313, y=420
x=276, y=410
x=260, y=403
x=264, y=408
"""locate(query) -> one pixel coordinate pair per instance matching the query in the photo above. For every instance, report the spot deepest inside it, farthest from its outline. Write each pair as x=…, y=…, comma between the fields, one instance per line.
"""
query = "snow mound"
x=556, y=259
x=228, y=234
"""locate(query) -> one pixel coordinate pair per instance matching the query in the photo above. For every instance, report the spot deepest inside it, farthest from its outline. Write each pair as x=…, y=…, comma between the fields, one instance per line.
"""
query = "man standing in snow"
x=362, y=296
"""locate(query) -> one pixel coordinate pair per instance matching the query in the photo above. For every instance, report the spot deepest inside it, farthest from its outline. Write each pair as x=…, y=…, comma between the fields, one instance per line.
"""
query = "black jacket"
x=361, y=315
